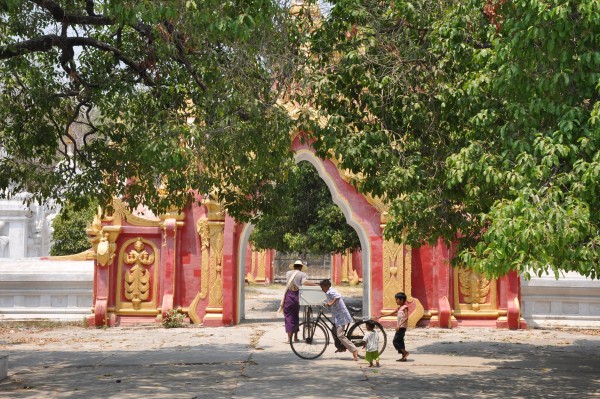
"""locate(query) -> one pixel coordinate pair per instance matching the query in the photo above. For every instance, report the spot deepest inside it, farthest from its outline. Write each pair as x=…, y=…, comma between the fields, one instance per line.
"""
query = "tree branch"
x=47, y=42
x=60, y=15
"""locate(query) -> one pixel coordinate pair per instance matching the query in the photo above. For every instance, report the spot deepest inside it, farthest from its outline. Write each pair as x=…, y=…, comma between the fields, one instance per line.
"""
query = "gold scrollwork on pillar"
x=210, y=229
x=261, y=271
x=215, y=299
x=204, y=233
x=396, y=272
x=137, y=279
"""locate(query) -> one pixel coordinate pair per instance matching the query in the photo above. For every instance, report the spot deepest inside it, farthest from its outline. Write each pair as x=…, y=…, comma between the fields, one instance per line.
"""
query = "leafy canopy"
x=116, y=98
x=304, y=220
x=478, y=123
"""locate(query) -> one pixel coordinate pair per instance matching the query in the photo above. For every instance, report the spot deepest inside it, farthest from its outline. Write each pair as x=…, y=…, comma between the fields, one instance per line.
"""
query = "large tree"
x=118, y=98
x=303, y=219
x=476, y=122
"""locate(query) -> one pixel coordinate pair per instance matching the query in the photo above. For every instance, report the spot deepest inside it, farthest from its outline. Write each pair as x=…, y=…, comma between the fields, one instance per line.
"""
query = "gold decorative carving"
x=350, y=177
x=121, y=212
x=346, y=266
x=354, y=279
x=106, y=250
x=261, y=266
x=215, y=299
x=417, y=314
x=88, y=254
x=137, y=279
x=211, y=229
x=474, y=287
x=193, y=315
x=137, y=286
x=474, y=294
x=103, y=241
x=204, y=233
x=396, y=272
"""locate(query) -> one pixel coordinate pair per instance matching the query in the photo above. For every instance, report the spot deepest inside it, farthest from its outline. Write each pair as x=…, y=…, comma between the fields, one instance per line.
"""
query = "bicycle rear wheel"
x=358, y=331
x=313, y=342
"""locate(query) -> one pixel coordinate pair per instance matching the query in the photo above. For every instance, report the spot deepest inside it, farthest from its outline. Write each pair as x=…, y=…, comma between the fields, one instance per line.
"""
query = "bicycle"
x=315, y=334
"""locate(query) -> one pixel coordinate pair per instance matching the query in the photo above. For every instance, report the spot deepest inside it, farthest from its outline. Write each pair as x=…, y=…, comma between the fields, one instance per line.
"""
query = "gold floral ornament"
x=106, y=251
x=137, y=279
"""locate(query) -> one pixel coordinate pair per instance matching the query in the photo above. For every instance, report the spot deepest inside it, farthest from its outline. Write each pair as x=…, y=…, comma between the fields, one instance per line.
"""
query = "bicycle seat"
x=353, y=309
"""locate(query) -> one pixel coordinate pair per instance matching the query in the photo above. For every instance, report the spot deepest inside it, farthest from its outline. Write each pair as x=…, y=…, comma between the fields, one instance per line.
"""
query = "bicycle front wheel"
x=313, y=342
x=358, y=331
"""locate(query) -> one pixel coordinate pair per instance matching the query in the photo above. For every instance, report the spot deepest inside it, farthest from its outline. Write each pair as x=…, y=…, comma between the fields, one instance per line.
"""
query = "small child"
x=371, y=343
x=402, y=323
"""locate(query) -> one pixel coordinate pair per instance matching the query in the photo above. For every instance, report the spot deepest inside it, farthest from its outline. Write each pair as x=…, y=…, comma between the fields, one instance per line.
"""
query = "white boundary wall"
x=571, y=301
x=33, y=289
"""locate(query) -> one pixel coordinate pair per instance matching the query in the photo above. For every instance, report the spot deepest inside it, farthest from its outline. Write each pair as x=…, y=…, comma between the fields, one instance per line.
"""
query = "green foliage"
x=304, y=219
x=173, y=319
x=476, y=125
x=69, y=236
x=115, y=98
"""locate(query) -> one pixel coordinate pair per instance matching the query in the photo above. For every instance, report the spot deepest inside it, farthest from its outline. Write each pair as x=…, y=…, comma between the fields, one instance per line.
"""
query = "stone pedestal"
x=571, y=301
x=33, y=289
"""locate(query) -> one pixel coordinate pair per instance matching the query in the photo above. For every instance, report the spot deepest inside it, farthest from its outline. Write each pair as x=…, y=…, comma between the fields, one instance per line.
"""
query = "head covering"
x=299, y=262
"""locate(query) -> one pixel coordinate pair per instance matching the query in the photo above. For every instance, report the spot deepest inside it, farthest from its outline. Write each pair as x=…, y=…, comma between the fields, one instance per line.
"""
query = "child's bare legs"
x=371, y=364
x=404, y=355
x=377, y=362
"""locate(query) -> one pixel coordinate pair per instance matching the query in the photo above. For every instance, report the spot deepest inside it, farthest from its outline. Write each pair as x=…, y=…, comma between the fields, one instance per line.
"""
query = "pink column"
x=101, y=288
x=230, y=271
x=376, y=274
x=167, y=265
x=441, y=283
x=336, y=268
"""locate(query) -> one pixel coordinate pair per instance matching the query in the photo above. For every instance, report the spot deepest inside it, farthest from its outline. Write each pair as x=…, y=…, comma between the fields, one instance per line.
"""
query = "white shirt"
x=372, y=340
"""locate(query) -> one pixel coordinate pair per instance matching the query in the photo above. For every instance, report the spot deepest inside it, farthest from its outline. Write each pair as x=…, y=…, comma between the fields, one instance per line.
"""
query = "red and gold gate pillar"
x=397, y=274
x=168, y=263
x=103, y=243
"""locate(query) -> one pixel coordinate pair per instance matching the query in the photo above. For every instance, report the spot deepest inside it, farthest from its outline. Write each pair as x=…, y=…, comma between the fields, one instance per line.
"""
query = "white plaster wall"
x=571, y=301
x=42, y=289
x=25, y=230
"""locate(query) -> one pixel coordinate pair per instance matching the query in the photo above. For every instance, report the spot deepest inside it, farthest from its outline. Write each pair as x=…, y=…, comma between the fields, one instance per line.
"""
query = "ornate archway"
x=199, y=258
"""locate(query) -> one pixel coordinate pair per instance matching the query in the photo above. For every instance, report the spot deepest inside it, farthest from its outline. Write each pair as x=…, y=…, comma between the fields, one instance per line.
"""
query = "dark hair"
x=325, y=283
x=370, y=324
x=401, y=296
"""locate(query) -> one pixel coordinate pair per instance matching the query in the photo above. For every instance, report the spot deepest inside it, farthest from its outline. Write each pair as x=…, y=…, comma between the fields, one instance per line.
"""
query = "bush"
x=69, y=236
x=173, y=319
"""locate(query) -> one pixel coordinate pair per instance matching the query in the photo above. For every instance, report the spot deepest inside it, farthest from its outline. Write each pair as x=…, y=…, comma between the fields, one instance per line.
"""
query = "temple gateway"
x=196, y=262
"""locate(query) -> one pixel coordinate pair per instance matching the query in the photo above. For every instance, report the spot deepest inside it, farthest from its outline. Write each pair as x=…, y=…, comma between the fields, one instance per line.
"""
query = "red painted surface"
x=357, y=263
x=167, y=266
x=336, y=269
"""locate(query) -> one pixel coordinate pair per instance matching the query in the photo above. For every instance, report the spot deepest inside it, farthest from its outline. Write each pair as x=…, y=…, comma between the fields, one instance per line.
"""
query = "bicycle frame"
x=331, y=327
x=316, y=333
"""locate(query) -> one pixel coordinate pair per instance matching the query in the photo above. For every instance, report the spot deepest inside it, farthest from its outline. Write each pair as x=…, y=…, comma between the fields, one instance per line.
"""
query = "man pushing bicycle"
x=340, y=314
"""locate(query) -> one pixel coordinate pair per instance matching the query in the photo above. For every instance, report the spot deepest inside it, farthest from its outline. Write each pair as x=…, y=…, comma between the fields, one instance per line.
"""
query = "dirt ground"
x=252, y=360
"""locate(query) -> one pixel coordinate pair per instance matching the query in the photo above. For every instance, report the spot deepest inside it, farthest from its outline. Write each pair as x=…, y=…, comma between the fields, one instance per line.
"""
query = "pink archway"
x=197, y=263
